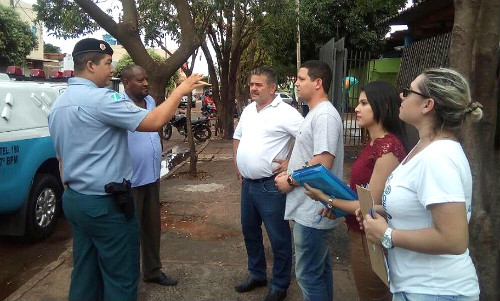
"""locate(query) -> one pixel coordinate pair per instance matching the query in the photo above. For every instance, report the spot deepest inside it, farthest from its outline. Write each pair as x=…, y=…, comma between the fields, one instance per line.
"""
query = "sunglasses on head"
x=407, y=91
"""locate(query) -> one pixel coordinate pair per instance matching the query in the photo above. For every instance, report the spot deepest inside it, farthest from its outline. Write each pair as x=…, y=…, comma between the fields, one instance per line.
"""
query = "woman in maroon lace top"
x=377, y=111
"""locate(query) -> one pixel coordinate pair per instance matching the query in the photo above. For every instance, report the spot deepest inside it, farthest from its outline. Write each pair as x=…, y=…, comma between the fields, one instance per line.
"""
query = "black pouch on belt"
x=122, y=193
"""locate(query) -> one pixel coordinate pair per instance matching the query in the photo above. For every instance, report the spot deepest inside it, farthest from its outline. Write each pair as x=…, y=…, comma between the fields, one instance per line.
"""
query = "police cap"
x=92, y=45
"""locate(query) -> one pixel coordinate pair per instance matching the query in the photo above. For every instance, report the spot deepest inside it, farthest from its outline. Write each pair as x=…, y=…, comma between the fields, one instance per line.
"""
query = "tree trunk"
x=193, y=157
x=232, y=33
x=214, y=81
x=157, y=85
x=473, y=52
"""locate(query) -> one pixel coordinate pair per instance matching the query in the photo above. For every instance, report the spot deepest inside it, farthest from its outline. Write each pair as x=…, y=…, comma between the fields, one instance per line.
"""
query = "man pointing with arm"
x=88, y=124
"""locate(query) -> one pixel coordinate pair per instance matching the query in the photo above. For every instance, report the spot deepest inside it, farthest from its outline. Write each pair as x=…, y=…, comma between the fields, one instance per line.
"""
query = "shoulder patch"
x=116, y=96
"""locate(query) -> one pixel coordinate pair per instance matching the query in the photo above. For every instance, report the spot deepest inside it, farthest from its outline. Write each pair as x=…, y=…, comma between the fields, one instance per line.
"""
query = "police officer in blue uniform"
x=88, y=124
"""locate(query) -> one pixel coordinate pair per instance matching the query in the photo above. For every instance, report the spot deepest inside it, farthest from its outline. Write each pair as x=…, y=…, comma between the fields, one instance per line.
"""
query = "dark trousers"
x=105, y=249
x=261, y=202
x=147, y=202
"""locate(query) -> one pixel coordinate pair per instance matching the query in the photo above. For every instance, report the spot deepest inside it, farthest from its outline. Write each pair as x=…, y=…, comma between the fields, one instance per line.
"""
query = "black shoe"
x=275, y=295
x=163, y=280
x=249, y=284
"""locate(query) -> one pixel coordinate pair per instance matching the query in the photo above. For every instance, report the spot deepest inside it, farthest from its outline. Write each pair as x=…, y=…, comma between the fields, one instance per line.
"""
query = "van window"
x=28, y=110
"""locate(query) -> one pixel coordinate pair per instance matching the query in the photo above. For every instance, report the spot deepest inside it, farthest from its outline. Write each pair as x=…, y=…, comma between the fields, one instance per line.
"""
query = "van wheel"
x=43, y=207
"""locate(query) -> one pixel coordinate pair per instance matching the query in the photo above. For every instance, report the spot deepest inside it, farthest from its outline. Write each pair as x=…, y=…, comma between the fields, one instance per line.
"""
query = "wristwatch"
x=329, y=203
x=289, y=180
x=386, y=239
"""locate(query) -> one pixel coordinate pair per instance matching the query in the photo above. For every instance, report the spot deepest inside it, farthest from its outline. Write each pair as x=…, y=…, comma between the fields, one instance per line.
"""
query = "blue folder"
x=320, y=177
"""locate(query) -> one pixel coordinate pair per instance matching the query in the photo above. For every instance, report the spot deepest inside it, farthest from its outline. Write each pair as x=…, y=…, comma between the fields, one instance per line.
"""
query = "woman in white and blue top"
x=427, y=198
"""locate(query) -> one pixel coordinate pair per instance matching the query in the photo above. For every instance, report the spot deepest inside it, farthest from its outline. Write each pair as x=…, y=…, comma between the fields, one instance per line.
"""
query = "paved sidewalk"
x=201, y=244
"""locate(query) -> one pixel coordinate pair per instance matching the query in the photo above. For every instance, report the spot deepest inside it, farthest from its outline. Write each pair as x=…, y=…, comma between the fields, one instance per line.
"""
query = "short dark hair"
x=318, y=69
x=80, y=60
x=385, y=102
x=128, y=71
x=268, y=72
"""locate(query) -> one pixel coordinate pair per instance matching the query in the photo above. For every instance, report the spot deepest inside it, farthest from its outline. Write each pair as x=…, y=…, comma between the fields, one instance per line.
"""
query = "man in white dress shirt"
x=262, y=142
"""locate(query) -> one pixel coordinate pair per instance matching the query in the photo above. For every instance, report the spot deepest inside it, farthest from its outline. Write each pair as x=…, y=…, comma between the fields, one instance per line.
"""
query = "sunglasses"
x=407, y=91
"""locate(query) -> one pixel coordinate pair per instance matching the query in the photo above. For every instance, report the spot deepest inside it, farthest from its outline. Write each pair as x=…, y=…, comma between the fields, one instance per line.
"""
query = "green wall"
x=385, y=69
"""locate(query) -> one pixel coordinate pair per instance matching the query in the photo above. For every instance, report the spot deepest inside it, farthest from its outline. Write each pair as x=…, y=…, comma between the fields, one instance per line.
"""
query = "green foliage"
x=278, y=38
x=49, y=48
x=16, y=38
x=64, y=18
x=126, y=60
x=158, y=19
x=359, y=21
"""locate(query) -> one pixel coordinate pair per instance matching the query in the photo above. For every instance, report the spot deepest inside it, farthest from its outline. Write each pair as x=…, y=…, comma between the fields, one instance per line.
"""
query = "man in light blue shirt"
x=88, y=124
x=145, y=152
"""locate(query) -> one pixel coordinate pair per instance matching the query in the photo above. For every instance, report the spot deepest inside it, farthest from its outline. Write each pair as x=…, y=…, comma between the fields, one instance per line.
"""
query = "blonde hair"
x=452, y=100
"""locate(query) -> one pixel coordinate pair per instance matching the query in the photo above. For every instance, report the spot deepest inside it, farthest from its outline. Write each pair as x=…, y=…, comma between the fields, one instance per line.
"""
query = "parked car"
x=4, y=77
x=184, y=100
x=287, y=98
x=31, y=188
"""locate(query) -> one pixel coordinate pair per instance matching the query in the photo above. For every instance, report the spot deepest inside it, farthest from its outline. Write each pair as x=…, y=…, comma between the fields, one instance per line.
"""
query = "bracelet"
x=289, y=180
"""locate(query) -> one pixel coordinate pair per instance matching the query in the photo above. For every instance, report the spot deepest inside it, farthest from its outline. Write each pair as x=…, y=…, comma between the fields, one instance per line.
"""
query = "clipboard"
x=376, y=251
x=320, y=177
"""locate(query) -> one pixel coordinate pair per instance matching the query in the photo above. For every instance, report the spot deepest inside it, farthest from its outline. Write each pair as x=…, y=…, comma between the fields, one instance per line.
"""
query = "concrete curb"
x=17, y=295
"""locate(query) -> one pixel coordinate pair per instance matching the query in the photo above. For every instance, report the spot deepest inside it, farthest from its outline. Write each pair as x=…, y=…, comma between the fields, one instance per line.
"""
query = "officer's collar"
x=81, y=81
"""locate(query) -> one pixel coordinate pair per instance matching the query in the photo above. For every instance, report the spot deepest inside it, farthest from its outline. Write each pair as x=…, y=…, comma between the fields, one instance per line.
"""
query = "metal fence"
x=421, y=55
x=333, y=53
x=358, y=68
x=350, y=72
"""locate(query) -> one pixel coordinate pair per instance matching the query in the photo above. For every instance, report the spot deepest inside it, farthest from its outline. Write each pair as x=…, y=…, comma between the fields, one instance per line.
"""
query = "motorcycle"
x=200, y=127
x=208, y=111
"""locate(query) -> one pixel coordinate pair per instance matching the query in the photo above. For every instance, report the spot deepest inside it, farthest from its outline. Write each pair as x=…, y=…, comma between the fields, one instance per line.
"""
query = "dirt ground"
x=201, y=245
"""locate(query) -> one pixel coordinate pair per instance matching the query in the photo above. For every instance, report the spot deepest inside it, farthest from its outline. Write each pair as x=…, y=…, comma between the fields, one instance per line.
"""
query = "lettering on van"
x=8, y=155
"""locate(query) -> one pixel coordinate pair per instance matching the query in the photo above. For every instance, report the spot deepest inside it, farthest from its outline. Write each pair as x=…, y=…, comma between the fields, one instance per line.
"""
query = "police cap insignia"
x=92, y=45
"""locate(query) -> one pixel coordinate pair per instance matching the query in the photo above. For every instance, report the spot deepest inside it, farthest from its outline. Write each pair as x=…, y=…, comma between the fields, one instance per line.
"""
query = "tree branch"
x=103, y=19
x=130, y=15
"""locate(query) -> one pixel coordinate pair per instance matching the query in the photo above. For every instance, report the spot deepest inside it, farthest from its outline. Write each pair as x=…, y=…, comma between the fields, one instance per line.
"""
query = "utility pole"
x=303, y=107
x=297, y=3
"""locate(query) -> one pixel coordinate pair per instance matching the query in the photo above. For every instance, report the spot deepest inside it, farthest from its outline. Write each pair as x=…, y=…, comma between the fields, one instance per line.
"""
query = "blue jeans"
x=403, y=296
x=261, y=202
x=313, y=266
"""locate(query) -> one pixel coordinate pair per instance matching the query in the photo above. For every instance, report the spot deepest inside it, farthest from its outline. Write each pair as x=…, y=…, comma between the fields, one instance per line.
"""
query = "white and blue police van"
x=30, y=184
